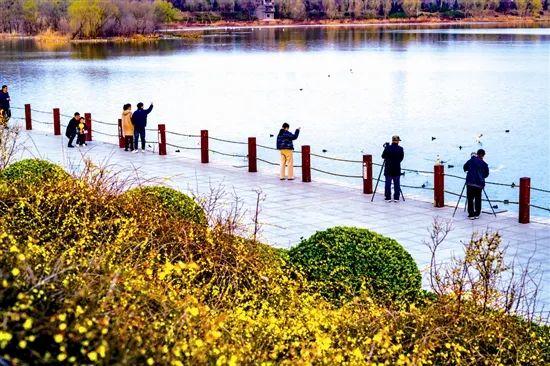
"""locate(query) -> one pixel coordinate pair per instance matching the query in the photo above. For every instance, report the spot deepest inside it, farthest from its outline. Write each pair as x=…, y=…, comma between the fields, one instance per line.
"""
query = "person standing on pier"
x=477, y=170
x=393, y=156
x=5, y=103
x=82, y=131
x=286, y=147
x=127, y=127
x=139, y=119
x=71, y=130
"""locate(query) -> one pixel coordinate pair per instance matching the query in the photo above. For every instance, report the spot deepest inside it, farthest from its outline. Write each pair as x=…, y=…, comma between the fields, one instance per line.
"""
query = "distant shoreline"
x=193, y=31
x=286, y=23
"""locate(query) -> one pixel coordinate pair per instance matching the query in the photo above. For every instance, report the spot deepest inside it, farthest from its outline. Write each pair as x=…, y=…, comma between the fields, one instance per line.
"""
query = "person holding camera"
x=477, y=170
x=139, y=119
x=393, y=156
x=286, y=147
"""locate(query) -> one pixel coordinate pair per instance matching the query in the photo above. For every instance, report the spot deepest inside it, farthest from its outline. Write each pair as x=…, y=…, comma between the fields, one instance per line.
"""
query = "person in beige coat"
x=128, y=127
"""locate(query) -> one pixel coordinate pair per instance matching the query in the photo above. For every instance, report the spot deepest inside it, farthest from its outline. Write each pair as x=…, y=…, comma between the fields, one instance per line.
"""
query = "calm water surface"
x=349, y=89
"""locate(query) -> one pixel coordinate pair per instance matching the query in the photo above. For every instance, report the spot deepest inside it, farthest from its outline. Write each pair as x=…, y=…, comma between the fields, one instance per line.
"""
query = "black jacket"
x=4, y=100
x=285, y=138
x=477, y=170
x=139, y=118
x=393, y=156
x=71, y=130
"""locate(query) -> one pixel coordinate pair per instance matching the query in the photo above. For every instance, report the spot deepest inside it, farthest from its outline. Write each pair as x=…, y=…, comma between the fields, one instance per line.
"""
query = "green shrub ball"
x=32, y=171
x=342, y=261
x=174, y=202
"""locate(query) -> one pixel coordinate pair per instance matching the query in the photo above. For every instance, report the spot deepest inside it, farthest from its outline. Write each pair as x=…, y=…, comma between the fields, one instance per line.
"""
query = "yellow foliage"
x=101, y=283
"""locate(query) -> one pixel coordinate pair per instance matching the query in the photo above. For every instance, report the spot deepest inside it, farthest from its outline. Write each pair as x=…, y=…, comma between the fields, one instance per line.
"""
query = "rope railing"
x=105, y=134
x=269, y=162
x=226, y=154
x=418, y=171
x=309, y=157
x=182, y=147
x=337, y=174
x=105, y=123
x=42, y=122
x=181, y=134
x=228, y=141
x=39, y=111
x=266, y=147
x=337, y=159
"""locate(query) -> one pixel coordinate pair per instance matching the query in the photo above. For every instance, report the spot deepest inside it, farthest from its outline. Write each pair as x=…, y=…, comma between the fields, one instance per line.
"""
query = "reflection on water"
x=350, y=88
x=286, y=39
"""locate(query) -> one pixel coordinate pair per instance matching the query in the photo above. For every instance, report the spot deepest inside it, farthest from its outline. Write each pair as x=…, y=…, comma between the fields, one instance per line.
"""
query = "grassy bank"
x=95, y=269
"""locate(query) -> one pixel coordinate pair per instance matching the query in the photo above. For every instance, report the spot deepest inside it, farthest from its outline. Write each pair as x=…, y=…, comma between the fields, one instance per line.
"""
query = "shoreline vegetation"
x=195, y=30
x=145, y=21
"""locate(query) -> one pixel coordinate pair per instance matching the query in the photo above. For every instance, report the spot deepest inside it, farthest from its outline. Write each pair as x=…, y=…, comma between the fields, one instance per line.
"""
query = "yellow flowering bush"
x=86, y=278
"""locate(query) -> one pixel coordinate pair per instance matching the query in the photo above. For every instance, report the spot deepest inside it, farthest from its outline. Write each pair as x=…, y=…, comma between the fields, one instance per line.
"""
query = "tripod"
x=462, y=193
x=378, y=181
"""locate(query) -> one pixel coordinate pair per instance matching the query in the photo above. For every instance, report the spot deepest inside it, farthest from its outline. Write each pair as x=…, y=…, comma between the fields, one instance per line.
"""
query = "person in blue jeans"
x=139, y=119
x=393, y=156
x=477, y=170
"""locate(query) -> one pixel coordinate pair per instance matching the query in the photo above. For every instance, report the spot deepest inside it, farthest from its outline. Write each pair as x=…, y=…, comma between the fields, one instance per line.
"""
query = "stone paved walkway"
x=292, y=210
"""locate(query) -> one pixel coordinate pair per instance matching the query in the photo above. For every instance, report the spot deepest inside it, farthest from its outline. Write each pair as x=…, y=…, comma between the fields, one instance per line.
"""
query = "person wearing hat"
x=477, y=170
x=393, y=156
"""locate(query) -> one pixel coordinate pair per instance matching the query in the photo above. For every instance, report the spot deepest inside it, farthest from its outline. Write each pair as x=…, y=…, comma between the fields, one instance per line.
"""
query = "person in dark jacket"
x=139, y=119
x=5, y=102
x=393, y=156
x=286, y=147
x=72, y=128
x=477, y=170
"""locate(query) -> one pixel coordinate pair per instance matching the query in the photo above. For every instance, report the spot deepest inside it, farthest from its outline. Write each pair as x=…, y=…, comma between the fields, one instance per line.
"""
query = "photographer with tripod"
x=477, y=170
x=393, y=156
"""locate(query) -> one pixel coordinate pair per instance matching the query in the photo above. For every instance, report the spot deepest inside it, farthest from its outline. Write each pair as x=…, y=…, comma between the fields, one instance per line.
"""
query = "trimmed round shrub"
x=32, y=171
x=341, y=261
x=174, y=202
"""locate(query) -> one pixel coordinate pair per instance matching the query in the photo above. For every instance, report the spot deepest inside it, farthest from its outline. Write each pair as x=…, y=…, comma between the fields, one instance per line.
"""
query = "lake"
x=444, y=90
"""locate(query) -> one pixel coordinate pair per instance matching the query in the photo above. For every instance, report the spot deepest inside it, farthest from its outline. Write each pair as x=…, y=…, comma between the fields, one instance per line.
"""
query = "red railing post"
x=524, y=199
x=367, y=174
x=121, y=136
x=28, y=119
x=252, y=162
x=306, y=164
x=204, y=146
x=439, y=186
x=88, y=121
x=162, y=139
x=56, y=122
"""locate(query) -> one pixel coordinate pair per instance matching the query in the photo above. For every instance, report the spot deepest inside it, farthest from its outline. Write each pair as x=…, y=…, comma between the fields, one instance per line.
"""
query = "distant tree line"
x=86, y=18
x=104, y=18
x=211, y=10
